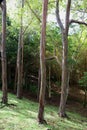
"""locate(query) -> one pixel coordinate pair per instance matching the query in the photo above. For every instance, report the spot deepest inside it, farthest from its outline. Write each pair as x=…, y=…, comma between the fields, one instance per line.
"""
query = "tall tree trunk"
x=19, y=85
x=49, y=82
x=20, y=58
x=64, y=31
x=22, y=63
x=15, y=80
x=65, y=73
x=64, y=85
x=85, y=97
x=42, y=64
x=39, y=81
x=3, y=55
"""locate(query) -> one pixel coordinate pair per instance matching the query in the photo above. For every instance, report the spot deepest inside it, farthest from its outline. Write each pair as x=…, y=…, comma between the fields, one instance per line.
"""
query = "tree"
x=65, y=72
x=3, y=55
x=42, y=64
x=83, y=84
x=64, y=31
x=20, y=57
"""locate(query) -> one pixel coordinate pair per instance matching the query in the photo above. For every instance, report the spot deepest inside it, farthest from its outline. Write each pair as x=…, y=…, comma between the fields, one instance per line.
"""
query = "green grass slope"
x=23, y=116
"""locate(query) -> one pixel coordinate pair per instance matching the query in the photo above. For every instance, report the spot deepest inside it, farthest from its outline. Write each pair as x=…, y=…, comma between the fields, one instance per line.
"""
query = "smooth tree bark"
x=49, y=82
x=42, y=64
x=20, y=57
x=3, y=55
x=64, y=31
x=65, y=70
x=39, y=81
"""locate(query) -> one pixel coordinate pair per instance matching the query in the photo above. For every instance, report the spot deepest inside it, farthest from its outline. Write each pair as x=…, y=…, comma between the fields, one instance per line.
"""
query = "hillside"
x=23, y=116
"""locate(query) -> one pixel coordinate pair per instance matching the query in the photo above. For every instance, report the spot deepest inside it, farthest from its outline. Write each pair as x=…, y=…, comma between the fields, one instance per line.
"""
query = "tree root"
x=63, y=115
x=7, y=104
x=42, y=121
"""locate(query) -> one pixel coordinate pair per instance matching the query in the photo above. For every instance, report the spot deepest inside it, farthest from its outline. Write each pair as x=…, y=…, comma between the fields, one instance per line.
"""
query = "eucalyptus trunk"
x=20, y=57
x=3, y=55
x=64, y=32
x=64, y=85
x=42, y=64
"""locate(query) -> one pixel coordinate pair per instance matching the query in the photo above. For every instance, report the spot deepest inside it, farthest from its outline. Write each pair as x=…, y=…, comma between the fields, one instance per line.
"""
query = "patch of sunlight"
x=32, y=113
x=50, y=117
x=5, y=113
x=72, y=124
x=13, y=101
x=23, y=124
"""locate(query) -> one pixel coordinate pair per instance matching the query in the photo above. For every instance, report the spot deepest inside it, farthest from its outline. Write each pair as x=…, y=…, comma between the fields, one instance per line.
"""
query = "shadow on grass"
x=7, y=105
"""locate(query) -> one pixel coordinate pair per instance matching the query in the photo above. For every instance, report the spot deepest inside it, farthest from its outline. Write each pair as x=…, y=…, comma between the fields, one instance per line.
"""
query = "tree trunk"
x=49, y=83
x=22, y=63
x=20, y=58
x=64, y=86
x=19, y=85
x=85, y=96
x=15, y=82
x=39, y=81
x=3, y=55
x=64, y=31
x=42, y=65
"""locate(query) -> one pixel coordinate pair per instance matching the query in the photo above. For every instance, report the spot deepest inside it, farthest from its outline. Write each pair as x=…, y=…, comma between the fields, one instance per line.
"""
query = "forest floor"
x=23, y=116
x=75, y=98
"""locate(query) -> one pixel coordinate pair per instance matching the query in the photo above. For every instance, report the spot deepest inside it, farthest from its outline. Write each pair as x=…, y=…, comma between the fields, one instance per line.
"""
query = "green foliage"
x=83, y=83
x=32, y=13
x=33, y=89
x=83, y=80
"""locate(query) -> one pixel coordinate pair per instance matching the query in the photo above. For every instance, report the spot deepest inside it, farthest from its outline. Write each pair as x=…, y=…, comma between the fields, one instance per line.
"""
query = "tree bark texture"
x=64, y=31
x=20, y=58
x=39, y=81
x=3, y=55
x=42, y=64
x=64, y=85
x=19, y=85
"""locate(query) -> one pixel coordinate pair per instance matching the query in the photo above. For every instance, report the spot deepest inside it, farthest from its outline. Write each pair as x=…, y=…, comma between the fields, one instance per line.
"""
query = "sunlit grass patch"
x=23, y=116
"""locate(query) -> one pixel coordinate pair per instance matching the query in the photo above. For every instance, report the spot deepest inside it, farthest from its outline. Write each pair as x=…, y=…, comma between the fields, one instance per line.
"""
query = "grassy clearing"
x=23, y=116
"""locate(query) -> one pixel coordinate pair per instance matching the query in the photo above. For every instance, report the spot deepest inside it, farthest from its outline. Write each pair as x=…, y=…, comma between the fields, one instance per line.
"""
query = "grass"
x=23, y=116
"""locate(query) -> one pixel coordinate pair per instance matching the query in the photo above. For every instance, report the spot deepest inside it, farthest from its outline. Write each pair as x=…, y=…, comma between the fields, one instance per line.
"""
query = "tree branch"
x=78, y=22
x=67, y=16
x=26, y=28
x=33, y=12
x=55, y=57
x=58, y=16
x=1, y=5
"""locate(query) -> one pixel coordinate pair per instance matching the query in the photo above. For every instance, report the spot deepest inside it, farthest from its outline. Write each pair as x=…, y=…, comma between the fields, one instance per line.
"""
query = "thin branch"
x=26, y=28
x=78, y=22
x=52, y=1
x=67, y=16
x=50, y=58
x=58, y=16
x=60, y=63
x=54, y=57
x=33, y=12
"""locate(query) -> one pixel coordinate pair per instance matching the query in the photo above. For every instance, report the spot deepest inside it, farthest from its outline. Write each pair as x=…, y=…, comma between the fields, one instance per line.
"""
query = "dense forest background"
x=31, y=32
